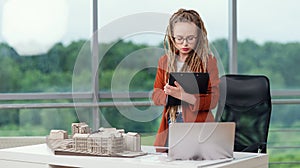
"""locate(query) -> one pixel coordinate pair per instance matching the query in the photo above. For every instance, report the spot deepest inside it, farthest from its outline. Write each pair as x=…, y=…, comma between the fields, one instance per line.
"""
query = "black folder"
x=191, y=82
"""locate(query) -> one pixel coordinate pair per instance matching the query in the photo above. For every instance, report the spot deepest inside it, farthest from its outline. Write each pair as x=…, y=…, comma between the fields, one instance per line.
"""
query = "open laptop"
x=201, y=141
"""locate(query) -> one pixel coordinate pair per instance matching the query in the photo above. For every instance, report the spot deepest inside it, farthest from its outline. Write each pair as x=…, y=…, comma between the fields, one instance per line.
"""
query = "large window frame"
x=95, y=95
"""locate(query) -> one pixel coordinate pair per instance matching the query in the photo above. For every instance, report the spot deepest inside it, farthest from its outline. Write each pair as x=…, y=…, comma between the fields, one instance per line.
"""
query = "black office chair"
x=246, y=100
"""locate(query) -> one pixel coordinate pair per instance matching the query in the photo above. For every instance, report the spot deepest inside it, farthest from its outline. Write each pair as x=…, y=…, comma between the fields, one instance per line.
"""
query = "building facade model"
x=105, y=141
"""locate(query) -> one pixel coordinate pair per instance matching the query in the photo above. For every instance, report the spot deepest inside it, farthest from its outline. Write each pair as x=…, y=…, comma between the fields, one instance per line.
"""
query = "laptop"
x=201, y=141
x=191, y=82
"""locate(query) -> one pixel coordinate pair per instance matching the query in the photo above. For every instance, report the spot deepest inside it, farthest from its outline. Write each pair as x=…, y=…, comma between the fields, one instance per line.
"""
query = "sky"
x=41, y=23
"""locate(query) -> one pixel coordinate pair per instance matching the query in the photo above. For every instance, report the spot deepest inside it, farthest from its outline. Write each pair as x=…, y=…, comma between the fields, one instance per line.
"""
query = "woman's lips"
x=185, y=49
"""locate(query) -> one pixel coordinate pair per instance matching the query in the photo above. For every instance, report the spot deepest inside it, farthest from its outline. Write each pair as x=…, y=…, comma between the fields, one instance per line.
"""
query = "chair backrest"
x=246, y=100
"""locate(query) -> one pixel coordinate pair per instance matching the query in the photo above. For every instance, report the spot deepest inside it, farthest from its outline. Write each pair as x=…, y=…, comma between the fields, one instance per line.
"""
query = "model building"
x=104, y=141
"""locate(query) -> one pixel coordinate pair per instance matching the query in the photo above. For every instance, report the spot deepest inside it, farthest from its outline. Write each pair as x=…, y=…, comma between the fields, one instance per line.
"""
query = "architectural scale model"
x=103, y=142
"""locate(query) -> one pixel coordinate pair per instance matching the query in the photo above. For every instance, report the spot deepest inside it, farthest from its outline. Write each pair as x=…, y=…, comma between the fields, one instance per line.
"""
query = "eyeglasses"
x=189, y=39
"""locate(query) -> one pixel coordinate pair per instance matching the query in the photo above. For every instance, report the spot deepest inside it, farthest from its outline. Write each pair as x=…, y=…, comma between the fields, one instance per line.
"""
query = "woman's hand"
x=178, y=92
x=175, y=91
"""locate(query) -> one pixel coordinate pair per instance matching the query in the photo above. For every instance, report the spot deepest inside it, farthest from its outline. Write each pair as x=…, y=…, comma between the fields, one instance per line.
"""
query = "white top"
x=179, y=65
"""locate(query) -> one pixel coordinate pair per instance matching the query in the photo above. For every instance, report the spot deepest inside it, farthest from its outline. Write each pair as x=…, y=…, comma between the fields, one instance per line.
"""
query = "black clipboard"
x=191, y=82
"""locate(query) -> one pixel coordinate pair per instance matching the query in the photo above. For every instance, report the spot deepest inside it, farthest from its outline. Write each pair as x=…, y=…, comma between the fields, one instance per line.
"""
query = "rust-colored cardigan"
x=198, y=112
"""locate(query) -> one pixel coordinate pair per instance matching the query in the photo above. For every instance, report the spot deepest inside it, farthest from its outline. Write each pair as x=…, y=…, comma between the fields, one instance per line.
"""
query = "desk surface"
x=42, y=156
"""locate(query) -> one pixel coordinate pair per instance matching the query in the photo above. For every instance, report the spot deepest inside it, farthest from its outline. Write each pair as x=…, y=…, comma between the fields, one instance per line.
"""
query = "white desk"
x=37, y=156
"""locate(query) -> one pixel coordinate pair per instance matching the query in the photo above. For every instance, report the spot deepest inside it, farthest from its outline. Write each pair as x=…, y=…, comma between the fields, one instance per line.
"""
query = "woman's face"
x=185, y=37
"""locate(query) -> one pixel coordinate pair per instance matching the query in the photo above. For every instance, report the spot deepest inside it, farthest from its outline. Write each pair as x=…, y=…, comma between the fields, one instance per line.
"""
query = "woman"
x=187, y=50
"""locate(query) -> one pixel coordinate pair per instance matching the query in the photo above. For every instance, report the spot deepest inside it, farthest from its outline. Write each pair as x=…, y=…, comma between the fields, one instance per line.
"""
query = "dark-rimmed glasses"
x=189, y=39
